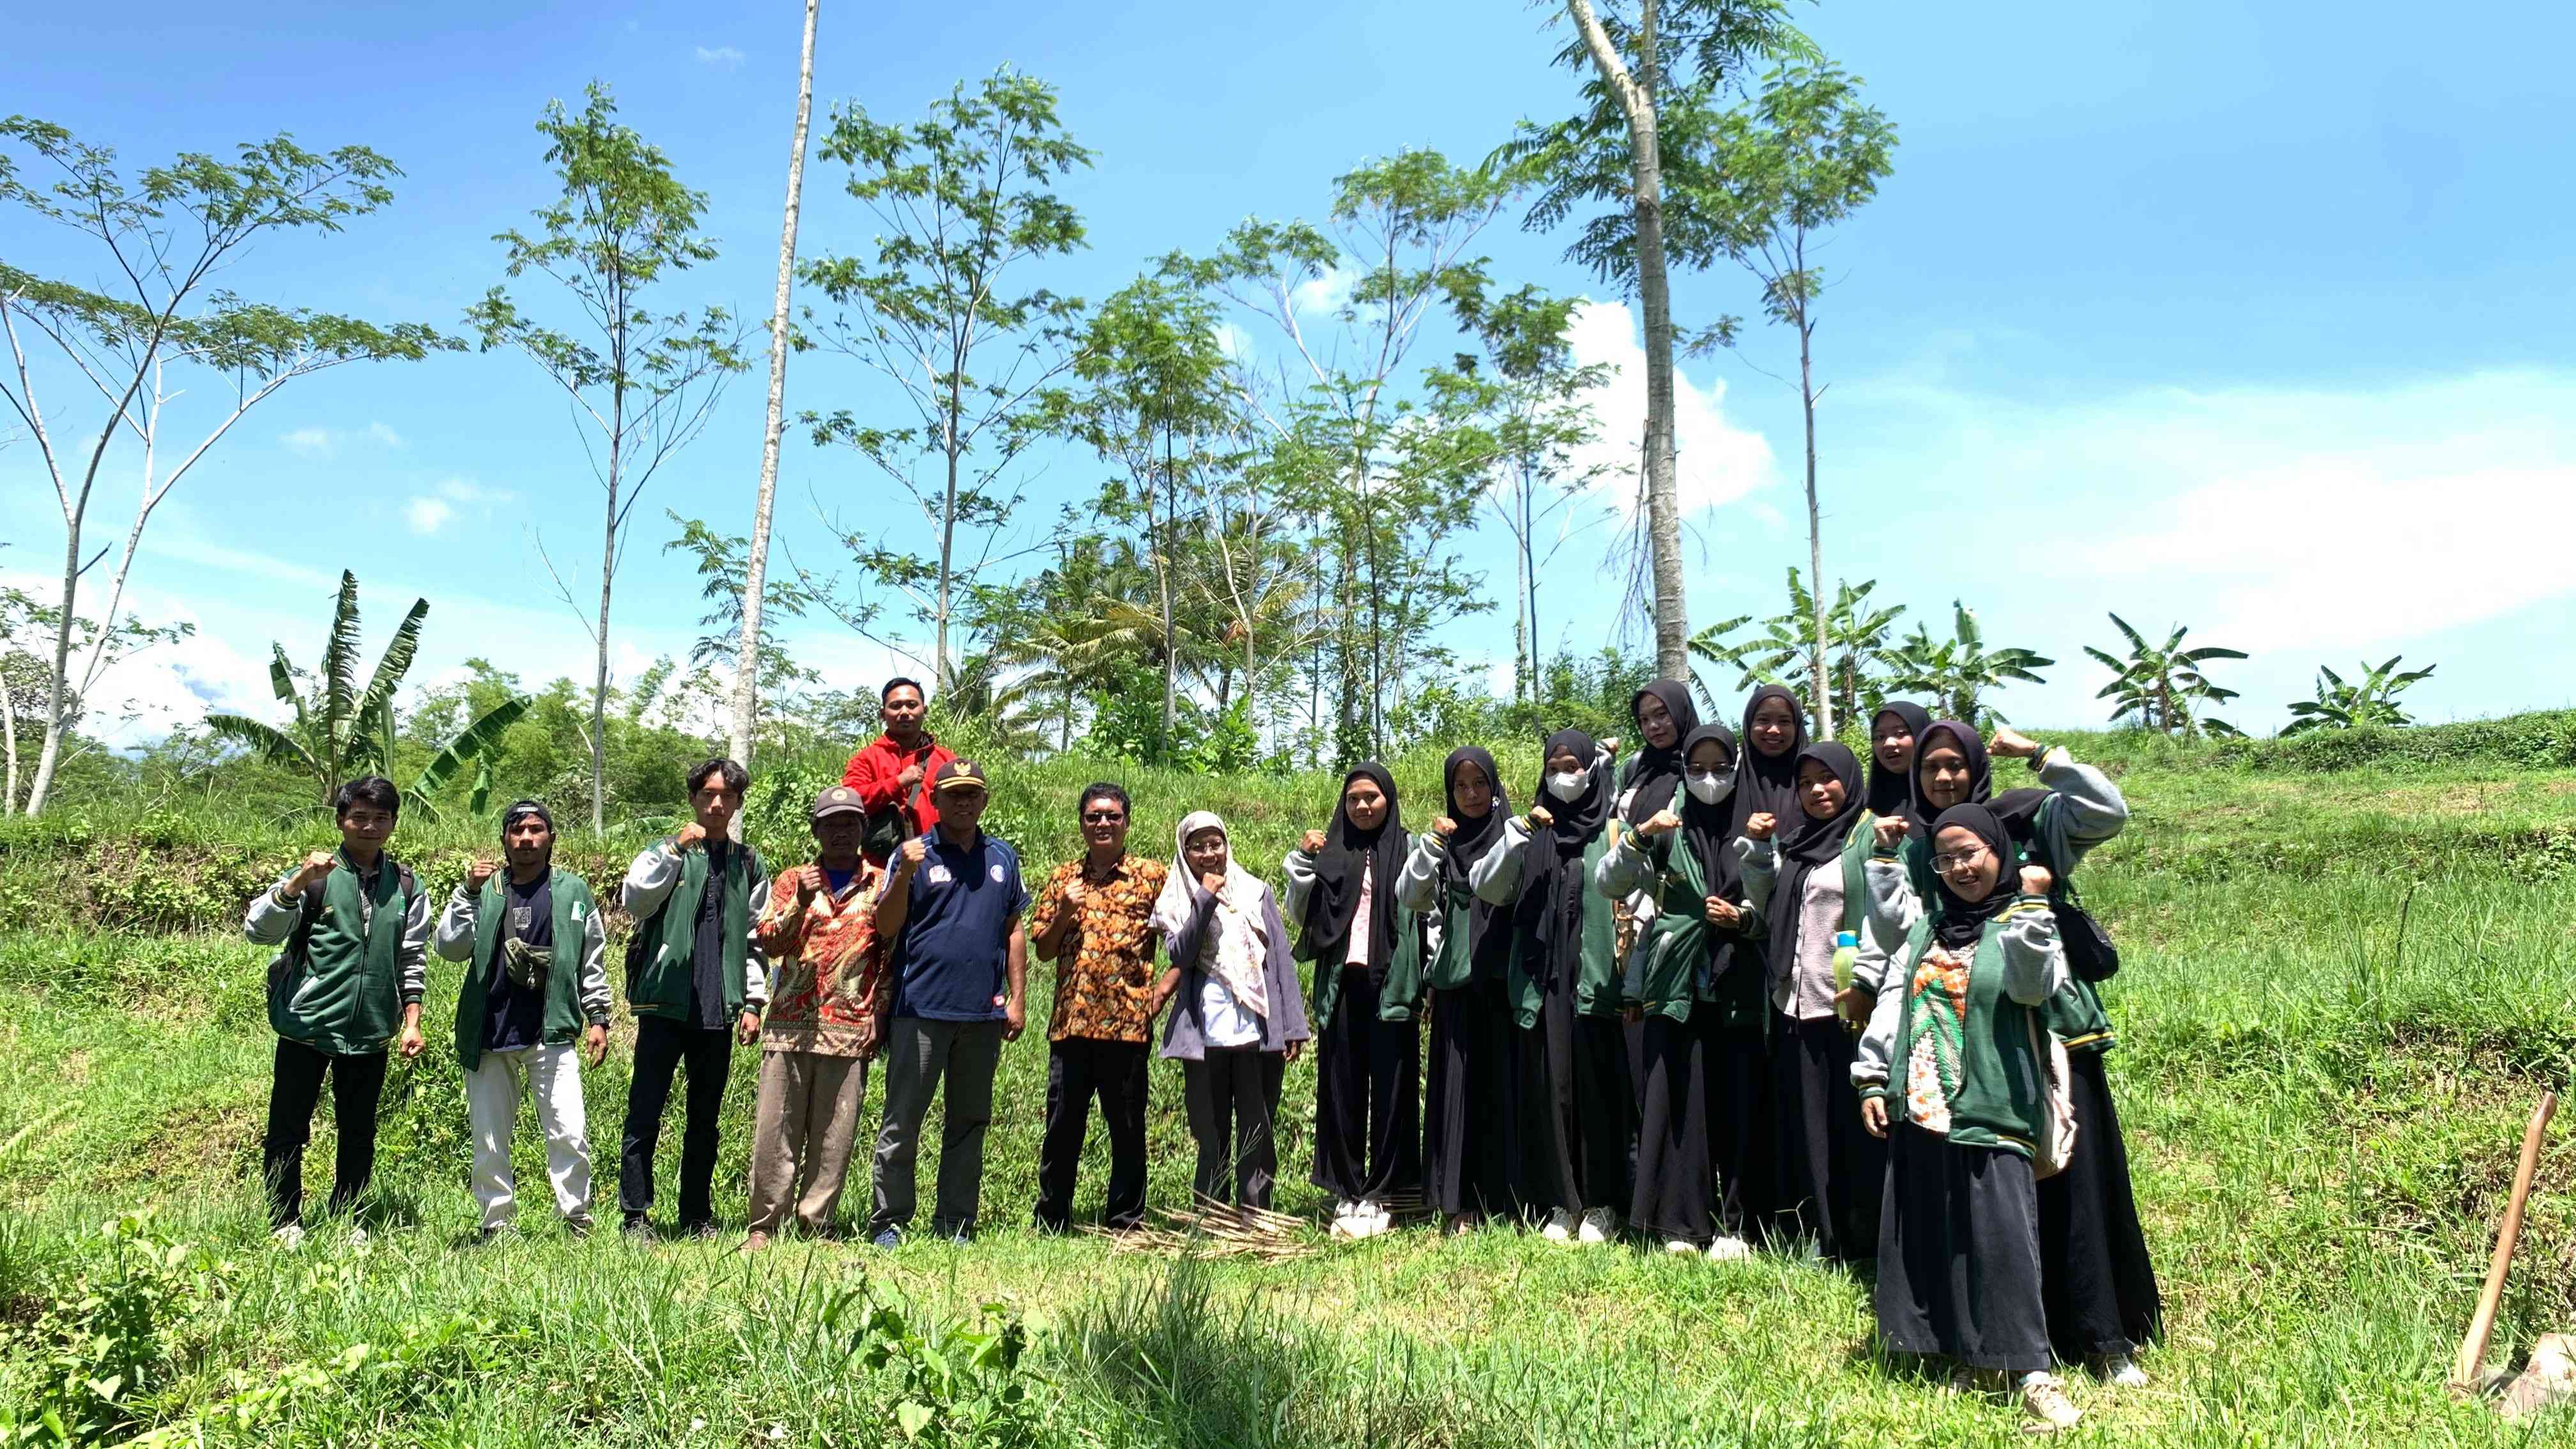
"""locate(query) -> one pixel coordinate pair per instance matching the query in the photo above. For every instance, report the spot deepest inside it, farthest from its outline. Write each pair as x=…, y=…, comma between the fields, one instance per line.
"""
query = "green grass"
x=2344, y=988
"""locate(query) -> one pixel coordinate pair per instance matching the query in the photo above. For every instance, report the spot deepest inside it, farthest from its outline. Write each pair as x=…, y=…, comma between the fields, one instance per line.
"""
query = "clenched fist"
x=691, y=836
x=2012, y=744
x=1759, y=825
x=1076, y=892
x=1721, y=912
x=1213, y=883
x=1540, y=818
x=1610, y=746
x=809, y=884
x=1313, y=843
x=2035, y=880
x=1444, y=827
x=317, y=865
x=910, y=777
x=914, y=851
x=478, y=873
x=1891, y=831
x=1662, y=822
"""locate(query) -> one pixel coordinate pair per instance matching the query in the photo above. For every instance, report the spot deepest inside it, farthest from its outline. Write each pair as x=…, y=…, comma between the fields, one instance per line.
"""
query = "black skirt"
x=1830, y=1170
x=2100, y=1286
x=1700, y=1140
x=1467, y=1136
x=1958, y=1258
x=1545, y=1147
x=1368, y=1087
x=1606, y=1050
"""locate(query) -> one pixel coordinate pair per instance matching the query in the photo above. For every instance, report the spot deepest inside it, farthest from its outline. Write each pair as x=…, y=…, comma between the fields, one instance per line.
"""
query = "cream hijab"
x=1238, y=947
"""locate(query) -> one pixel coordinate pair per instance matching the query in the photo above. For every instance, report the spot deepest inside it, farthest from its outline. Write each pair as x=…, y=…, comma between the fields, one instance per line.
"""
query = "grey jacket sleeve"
x=649, y=880
x=755, y=965
x=1870, y=1062
x=413, y=955
x=1624, y=865
x=1496, y=879
x=1761, y=871
x=1417, y=886
x=1893, y=910
x=591, y=985
x=1297, y=872
x=455, y=938
x=2034, y=962
x=269, y=921
x=2093, y=808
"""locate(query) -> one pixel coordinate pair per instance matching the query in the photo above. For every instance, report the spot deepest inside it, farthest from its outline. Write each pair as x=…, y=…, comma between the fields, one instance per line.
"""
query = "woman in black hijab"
x=1466, y=1140
x=1576, y=1121
x=1665, y=717
x=1696, y=980
x=1368, y=976
x=1775, y=730
x=1894, y=732
x=1801, y=872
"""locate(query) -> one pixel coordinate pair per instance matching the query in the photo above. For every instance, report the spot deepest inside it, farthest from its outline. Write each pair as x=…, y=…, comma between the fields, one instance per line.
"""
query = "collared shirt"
x=824, y=965
x=1104, y=990
x=952, y=958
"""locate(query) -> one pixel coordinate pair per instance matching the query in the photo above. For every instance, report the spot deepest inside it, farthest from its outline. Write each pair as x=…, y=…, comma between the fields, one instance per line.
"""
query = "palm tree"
x=1959, y=670
x=1855, y=639
x=345, y=731
x=2157, y=686
x=2370, y=701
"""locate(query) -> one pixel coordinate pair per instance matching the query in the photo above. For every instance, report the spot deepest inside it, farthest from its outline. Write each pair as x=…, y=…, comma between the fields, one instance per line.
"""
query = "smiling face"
x=364, y=829
x=902, y=710
x=1365, y=803
x=837, y=837
x=1945, y=775
x=1965, y=862
x=1775, y=727
x=1820, y=791
x=1891, y=739
x=1656, y=722
x=962, y=808
x=1473, y=789
x=1104, y=825
x=1206, y=851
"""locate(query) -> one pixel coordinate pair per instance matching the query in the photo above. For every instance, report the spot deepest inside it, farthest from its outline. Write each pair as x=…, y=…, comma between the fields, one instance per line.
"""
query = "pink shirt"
x=1361, y=919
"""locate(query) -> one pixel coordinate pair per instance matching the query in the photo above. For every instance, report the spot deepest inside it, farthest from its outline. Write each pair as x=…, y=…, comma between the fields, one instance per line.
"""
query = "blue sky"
x=2253, y=318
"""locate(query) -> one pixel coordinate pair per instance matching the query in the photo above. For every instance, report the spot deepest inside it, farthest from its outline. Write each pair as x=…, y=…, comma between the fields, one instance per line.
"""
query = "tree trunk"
x=1815, y=532
x=51, y=750
x=9, y=735
x=1163, y=577
x=607, y=583
x=746, y=684
x=948, y=521
x=1636, y=95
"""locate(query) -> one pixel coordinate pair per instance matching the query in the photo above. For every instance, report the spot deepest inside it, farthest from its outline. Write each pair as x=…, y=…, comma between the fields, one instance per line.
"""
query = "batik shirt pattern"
x=1104, y=991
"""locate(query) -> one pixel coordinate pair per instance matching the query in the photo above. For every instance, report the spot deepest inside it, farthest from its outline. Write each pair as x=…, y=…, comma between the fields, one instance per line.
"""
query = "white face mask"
x=1568, y=785
x=1710, y=788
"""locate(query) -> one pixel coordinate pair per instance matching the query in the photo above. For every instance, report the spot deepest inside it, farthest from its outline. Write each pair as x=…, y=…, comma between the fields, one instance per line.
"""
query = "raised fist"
x=1213, y=882
x=1760, y=824
x=479, y=872
x=1539, y=818
x=317, y=865
x=1891, y=831
x=1662, y=822
x=1610, y=746
x=809, y=884
x=910, y=777
x=1313, y=843
x=691, y=836
x=1075, y=892
x=1721, y=912
x=1444, y=827
x=914, y=850
x=2035, y=880
x=2012, y=744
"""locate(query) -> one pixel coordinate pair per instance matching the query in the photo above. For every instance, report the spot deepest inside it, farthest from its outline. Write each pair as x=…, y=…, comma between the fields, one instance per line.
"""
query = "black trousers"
x=1832, y=1172
x=2098, y=1282
x=1467, y=1128
x=294, y=1090
x=1078, y=1069
x=662, y=1046
x=1233, y=1101
x=1368, y=1108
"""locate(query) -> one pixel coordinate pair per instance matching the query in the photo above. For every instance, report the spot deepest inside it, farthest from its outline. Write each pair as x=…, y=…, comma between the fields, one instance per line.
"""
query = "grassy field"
x=2348, y=976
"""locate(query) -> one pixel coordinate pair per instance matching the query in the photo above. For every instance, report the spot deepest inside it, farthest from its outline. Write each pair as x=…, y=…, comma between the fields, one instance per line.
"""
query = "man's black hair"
x=373, y=790
x=1102, y=790
x=902, y=682
x=736, y=778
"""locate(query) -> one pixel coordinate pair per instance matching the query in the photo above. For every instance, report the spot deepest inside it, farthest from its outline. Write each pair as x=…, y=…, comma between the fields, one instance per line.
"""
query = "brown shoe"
x=755, y=1242
x=2044, y=1403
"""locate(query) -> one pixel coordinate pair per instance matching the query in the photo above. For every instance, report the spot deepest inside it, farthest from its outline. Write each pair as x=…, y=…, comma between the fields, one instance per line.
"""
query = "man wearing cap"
x=892, y=772
x=535, y=981
x=826, y=984
x=950, y=913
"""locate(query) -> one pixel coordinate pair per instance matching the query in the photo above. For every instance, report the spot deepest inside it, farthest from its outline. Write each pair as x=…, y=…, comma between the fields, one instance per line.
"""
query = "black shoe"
x=702, y=1228
x=637, y=1228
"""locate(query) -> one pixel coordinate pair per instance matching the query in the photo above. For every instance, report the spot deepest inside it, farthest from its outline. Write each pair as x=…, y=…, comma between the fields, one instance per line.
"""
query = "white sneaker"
x=1729, y=1250
x=1376, y=1213
x=1600, y=1225
x=2044, y=1403
x=2122, y=1371
x=1560, y=1227
x=288, y=1238
x=1681, y=1247
x=358, y=1240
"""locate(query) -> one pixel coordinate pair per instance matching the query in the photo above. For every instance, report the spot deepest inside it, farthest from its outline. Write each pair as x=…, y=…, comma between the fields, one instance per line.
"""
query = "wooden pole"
x=2473, y=1348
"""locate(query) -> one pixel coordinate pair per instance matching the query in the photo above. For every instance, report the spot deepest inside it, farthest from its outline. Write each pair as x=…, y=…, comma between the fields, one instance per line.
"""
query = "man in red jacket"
x=893, y=770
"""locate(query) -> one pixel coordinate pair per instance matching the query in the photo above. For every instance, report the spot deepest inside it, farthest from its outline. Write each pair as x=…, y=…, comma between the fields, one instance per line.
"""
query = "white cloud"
x=1233, y=341
x=1717, y=461
x=384, y=434
x=1325, y=293
x=321, y=442
x=312, y=442
x=190, y=548
x=464, y=490
x=723, y=57
x=426, y=516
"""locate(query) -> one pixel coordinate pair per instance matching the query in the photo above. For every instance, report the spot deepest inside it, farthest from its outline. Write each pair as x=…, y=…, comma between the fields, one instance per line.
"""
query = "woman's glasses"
x=1960, y=860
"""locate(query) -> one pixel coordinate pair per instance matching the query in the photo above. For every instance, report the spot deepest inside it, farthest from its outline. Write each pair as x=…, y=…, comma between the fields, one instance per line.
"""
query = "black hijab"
x=1549, y=913
x=1764, y=784
x=1486, y=947
x=1957, y=922
x=1891, y=793
x=1708, y=829
x=1651, y=777
x=1348, y=851
x=1810, y=843
x=1980, y=770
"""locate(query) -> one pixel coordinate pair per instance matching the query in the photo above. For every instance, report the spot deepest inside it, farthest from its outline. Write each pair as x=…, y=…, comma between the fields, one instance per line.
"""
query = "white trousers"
x=492, y=1108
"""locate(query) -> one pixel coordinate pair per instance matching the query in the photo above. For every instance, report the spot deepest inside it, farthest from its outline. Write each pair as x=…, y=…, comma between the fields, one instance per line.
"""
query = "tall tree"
x=967, y=198
x=646, y=381
x=163, y=237
x=748, y=666
x=1793, y=162
x=1620, y=149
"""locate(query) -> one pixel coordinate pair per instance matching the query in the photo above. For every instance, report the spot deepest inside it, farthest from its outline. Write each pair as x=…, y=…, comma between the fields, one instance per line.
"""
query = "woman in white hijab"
x=1238, y=1013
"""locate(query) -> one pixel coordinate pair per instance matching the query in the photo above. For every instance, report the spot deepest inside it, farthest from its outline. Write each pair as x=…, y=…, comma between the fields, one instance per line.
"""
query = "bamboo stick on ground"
x=2471, y=1365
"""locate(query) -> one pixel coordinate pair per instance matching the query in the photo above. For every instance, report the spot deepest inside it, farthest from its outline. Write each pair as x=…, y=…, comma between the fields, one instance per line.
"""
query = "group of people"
x=1739, y=990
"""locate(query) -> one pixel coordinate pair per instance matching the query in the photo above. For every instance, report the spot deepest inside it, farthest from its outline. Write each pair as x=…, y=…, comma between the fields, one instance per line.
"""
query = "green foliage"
x=2161, y=686
x=1960, y=671
x=962, y=1385
x=1798, y=158
x=2370, y=700
x=1862, y=665
x=106, y=1338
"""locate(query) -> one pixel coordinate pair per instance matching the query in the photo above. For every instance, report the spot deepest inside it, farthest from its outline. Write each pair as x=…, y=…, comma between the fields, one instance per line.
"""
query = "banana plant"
x=2372, y=700
x=2162, y=686
x=1960, y=670
x=344, y=731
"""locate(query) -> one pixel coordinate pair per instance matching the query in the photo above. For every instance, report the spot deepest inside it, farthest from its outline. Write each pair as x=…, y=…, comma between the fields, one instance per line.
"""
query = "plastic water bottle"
x=1846, y=950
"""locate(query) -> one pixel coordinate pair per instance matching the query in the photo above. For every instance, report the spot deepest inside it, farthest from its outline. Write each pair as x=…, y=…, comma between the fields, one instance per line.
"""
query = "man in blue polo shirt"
x=950, y=910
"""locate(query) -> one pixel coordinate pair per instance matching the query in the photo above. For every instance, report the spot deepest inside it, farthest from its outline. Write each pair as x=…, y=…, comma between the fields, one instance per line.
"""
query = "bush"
x=104, y=1341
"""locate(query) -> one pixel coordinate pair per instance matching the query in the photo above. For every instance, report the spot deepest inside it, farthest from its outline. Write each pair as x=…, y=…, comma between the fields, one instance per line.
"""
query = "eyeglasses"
x=1959, y=860
x=1103, y=817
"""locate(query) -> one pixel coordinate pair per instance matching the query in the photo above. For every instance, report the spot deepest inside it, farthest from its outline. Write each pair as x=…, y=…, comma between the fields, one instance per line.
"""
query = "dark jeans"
x=1078, y=1069
x=294, y=1089
x=1233, y=1100
x=661, y=1047
x=919, y=1054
